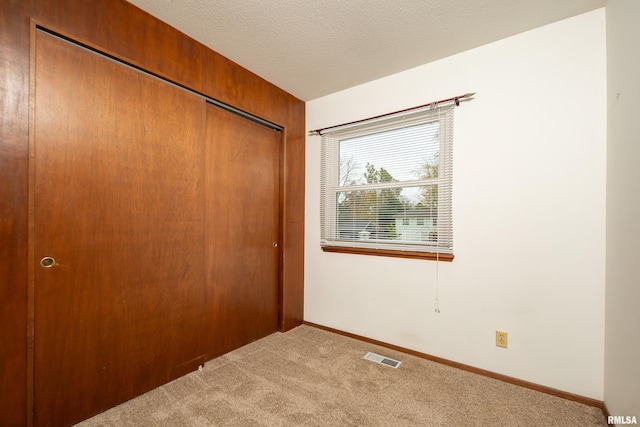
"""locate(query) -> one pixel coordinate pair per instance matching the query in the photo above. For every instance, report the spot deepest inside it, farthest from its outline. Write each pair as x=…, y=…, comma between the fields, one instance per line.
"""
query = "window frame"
x=330, y=188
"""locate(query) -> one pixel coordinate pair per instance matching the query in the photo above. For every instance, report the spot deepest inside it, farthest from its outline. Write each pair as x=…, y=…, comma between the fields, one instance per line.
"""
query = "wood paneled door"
x=118, y=232
x=243, y=170
x=104, y=180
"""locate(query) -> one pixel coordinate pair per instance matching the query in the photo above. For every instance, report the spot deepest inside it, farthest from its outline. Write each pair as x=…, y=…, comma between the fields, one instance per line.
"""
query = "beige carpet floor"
x=311, y=377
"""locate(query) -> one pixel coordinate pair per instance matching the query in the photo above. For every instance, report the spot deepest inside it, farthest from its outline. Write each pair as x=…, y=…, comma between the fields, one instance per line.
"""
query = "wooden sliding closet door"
x=118, y=244
x=243, y=199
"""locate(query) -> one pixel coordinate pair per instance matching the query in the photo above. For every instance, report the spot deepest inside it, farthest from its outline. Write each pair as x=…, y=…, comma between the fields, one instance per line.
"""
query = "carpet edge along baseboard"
x=505, y=378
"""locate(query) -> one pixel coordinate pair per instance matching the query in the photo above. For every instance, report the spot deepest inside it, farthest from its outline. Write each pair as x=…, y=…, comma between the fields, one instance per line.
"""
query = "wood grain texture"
x=230, y=83
x=126, y=32
x=242, y=217
x=432, y=256
x=119, y=205
x=14, y=129
x=120, y=28
x=293, y=221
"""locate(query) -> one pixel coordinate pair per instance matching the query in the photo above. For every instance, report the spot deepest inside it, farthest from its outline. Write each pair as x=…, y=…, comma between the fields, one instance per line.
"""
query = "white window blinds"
x=387, y=183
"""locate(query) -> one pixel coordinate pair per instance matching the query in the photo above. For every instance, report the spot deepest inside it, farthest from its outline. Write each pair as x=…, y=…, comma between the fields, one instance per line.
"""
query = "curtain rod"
x=455, y=99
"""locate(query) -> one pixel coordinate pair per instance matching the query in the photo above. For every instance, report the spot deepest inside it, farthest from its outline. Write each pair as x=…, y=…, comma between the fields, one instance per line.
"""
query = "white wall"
x=622, y=349
x=529, y=213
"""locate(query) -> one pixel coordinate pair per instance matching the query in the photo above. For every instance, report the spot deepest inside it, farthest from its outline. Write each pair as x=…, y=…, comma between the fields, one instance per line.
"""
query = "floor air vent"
x=382, y=360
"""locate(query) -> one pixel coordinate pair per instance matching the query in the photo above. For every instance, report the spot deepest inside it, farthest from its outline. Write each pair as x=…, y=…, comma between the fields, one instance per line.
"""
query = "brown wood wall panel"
x=123, y=30
x=229, y=82
x=14, y=127
x=293, y=222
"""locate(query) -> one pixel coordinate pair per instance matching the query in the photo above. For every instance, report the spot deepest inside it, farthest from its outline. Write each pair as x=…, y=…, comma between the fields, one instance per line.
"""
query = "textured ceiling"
x=312, y=48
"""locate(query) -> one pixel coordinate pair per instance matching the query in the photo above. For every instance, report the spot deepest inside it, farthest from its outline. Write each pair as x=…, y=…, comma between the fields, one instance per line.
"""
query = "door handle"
x=47, y=262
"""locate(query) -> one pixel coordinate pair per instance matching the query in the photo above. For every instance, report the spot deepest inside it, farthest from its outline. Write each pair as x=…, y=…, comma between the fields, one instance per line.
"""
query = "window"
x=386, y=186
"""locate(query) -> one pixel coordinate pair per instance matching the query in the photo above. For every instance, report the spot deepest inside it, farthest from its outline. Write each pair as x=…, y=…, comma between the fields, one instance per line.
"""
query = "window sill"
x=389, y=253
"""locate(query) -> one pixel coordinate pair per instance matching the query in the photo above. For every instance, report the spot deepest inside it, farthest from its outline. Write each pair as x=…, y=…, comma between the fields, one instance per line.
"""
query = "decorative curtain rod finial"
x=457, y=99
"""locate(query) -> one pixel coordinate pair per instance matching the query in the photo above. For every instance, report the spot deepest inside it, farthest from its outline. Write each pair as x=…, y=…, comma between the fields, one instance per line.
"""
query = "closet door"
x=117, y=230
x=243, y=199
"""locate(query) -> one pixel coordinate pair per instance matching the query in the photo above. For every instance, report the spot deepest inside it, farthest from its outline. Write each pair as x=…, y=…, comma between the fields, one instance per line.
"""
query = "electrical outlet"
x=502, y=339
